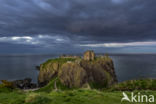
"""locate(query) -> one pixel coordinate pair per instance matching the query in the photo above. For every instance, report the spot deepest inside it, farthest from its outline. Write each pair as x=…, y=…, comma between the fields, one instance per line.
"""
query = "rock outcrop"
x=100, y=71
x=50, y=69
x=24, y=84
x=21, y=84
x=75, y=73
x=48, y=72
x=72, y=75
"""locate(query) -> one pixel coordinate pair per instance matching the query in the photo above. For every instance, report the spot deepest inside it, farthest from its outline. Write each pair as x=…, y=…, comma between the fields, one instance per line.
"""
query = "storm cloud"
x=77, y=24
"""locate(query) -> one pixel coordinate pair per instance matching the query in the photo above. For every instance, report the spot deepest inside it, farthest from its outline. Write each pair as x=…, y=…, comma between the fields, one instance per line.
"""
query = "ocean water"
x=134, y=66
x=127, y=66
x=14, y=67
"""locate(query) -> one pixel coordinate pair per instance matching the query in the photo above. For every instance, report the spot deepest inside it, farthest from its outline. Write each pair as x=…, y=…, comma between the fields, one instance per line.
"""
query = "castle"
x=89, y=55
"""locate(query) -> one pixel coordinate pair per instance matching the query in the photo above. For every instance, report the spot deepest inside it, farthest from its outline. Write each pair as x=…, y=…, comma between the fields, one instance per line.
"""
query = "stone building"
x=89, y=55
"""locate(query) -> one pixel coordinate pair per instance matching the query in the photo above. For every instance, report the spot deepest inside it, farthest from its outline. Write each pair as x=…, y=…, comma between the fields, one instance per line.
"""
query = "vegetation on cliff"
x=130, y=85
x=57, y=60
x=51, y=86
x=79, y=73
x=50, y=69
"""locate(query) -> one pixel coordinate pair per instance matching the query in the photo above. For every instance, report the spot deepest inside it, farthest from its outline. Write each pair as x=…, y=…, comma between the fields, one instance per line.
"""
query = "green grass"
x=50, y=86
x=13, y=97
x=142, y=84
x=79, y=96
x=89, y=97
x=5, y=89
x=58, y=60
x=48, y=95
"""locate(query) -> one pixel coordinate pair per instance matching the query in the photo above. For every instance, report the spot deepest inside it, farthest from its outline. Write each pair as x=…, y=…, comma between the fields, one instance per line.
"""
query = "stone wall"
x=89, y=55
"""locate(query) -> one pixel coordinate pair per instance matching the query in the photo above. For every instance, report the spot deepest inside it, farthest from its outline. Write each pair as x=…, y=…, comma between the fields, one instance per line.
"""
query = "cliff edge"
x=89, y=71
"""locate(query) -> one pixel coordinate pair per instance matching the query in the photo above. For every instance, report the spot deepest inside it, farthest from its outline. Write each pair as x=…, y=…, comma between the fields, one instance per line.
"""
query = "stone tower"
x=89, y=55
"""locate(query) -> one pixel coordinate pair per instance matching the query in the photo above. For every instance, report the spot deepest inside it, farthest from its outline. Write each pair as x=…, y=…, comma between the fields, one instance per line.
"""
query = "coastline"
x=57, y=91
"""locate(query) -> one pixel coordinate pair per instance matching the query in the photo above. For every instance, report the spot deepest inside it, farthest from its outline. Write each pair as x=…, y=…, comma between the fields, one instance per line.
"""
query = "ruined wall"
x=89, y=55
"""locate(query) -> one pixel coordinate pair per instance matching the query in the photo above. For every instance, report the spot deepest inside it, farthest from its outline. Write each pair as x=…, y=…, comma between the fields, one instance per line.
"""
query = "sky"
x=73, y=26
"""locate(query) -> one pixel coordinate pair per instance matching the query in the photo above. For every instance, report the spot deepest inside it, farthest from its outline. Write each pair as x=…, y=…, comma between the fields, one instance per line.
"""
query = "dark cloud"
x=81, y=21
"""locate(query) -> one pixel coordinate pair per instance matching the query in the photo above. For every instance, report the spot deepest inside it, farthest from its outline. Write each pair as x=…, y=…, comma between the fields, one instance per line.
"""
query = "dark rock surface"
x=47, y=73
x=21, y=84
x=24, y=84
x=37, y=67
x=72, y=75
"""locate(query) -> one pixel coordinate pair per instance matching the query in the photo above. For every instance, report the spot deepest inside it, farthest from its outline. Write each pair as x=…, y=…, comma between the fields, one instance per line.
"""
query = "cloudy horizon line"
x=116, y=45
x=42, y=39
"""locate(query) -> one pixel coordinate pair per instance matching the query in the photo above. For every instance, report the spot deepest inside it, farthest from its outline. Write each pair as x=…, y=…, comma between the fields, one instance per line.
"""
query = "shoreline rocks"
x=21, y=84
x=38, y=68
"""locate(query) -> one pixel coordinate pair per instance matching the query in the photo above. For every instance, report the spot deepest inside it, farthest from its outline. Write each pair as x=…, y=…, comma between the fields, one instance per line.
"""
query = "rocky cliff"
x=78, y=72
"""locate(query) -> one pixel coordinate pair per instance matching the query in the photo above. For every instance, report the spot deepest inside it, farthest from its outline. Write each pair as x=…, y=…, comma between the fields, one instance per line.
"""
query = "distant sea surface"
x=127, y=66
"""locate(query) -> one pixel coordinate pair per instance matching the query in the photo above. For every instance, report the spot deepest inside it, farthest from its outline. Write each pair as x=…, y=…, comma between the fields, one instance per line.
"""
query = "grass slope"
x=79, y=96
x=48, y=95
x=50, y=86
x=142, y=84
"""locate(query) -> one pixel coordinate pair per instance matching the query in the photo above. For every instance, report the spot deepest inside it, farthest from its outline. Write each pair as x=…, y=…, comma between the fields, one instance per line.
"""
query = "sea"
x=127, y=66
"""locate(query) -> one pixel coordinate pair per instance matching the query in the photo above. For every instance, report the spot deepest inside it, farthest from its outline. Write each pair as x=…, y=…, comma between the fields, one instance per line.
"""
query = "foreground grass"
x=142, y=84
x=49, y=95
x=79, y=96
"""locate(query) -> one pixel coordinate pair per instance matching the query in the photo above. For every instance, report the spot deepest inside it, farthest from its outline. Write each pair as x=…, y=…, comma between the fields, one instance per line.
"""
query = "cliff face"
x=72, y=75
x=50, y=69
x=47, y=73
x=76, y=73
x=100, y=71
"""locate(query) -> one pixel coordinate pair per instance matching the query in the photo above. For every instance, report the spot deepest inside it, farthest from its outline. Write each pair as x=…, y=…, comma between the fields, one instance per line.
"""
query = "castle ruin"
x=89, y=55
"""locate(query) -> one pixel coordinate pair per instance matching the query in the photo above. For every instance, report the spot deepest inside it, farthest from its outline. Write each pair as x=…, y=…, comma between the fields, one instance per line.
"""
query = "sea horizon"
x=22, y=66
